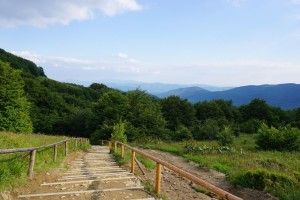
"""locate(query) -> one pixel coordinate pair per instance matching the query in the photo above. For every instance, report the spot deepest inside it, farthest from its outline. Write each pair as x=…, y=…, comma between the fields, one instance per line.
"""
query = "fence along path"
x=94, y=175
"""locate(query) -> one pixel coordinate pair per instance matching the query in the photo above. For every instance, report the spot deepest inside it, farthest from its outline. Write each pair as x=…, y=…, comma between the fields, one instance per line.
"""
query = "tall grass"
x=276, y=172
x=14, y=166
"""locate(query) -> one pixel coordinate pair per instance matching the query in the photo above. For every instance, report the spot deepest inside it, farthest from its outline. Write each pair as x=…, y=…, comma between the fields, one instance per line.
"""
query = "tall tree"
x=14, y=107
x=178, y=112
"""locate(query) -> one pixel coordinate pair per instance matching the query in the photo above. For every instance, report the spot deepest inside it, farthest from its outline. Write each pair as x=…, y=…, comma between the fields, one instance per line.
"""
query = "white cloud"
x=42, y=13
x=134, y=61
x=120, y=55
x=128, y=59
x=235, y=73
x=40, y=59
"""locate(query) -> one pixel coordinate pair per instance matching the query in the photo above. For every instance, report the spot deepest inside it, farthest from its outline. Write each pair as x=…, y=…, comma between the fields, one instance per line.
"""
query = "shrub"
x=118, y=133
x=251, y=126
x=182, y=133
x=226, y=137
x=276, y=183
x=209, y=129
x=282, y=139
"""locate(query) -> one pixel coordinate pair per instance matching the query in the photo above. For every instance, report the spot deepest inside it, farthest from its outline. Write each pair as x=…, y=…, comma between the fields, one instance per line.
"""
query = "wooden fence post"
x=75, y=144
x=122, y=151
x=31, y=164
x=55, y=152
x=132, y=161
x=116, y=145
x=66, y=148
x=158, y=178
x=109, y=145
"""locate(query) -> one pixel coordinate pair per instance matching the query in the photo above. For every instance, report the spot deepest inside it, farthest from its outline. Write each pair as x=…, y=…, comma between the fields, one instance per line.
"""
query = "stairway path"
x=94, y=175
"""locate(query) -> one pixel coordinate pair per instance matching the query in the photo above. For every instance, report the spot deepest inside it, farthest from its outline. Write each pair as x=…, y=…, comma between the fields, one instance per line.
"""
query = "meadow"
x=272, y=171
x=13, y=166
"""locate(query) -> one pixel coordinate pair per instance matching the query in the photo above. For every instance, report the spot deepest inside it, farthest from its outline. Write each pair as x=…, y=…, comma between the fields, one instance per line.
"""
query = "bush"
x=209, y=129
x=226, y=137
x=251, y=126
x=282, y=139
x=118, y=133
x=182, y=133
x=273, y=182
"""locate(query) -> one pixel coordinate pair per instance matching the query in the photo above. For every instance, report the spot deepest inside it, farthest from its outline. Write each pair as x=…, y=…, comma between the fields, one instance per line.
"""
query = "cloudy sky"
x=216, y=42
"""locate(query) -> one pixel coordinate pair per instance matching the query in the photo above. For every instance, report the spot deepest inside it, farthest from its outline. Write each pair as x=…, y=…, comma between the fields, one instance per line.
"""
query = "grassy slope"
x=13, y=169
x=271, y=168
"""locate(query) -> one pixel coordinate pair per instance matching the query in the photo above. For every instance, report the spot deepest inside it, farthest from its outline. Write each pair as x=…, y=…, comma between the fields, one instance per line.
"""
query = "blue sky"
x=216, y=42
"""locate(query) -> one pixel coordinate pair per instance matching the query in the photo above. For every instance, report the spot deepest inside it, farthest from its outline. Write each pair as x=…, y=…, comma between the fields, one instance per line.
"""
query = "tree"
x=178, y=112
x=282, y=139
x=182, y=133
x=226, y=136
x=118, y=133
x=145, y=117
x=257, y=109
x=14, y=107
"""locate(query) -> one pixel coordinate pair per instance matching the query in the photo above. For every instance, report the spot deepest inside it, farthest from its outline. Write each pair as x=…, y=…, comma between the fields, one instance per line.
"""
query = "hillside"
x=285, y=96
x=55, y=107
x=13, y=166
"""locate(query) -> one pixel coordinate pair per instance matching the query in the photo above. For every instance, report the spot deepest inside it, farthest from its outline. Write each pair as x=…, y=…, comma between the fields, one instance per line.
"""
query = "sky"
x=214, y=42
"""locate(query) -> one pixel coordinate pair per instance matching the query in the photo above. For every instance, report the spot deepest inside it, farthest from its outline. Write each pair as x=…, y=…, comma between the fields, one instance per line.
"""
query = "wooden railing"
x=218, y=191
x=32, y=151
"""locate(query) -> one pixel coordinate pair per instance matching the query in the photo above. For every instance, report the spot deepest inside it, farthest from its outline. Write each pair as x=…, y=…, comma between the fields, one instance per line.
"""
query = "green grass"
x=278, y=172
x=13, y=168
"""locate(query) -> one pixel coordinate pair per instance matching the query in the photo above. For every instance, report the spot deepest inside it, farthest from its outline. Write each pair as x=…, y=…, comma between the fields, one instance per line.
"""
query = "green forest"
x=31, y=102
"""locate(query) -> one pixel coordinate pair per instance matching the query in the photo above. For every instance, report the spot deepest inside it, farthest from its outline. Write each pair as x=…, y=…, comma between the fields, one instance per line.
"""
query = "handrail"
x=5, y=151
x=218, y=191
x=32, y=151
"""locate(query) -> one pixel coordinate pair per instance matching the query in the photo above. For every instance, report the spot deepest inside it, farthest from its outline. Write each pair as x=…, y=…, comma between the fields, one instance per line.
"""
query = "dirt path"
x=90, y=175
x=175, y=187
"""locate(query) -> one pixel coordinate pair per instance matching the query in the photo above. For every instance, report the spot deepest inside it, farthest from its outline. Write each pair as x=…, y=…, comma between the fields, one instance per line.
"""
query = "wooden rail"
x=32, y=151
x=218, y=191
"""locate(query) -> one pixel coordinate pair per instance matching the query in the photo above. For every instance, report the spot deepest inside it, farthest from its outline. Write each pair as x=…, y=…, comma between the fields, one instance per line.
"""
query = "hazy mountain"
x=286, y=96
x=153, y=88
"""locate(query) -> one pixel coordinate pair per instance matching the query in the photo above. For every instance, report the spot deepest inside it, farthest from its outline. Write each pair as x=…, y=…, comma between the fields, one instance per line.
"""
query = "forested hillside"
x=31, y=102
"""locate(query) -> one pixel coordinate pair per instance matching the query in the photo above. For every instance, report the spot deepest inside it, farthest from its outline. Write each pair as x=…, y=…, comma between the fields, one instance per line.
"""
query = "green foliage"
x=178, y=112
x=204, y=149
x=27, y=67
x=14, y=107
x=250, y=126
x=273, y=171
x=182, y=133
x=118, y=133
x=207, y=130
x=13, y=167
x=145, y=116
x=274, y=182
x=226, y=136
x=284, y=138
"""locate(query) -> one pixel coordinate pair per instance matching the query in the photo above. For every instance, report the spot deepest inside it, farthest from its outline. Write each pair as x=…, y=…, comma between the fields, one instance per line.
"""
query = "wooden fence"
x=159, y=163
x=32, y=151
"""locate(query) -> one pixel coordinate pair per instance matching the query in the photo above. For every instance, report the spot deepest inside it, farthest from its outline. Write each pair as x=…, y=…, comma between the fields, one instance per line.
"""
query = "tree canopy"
x=14, y=107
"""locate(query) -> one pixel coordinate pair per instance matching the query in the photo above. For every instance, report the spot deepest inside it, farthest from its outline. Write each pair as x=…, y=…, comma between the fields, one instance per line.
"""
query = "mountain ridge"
x=286, y=96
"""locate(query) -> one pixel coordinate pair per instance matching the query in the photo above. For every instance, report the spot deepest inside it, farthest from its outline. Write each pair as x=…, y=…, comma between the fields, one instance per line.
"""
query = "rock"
x=63, y=188
x=63, y=197
x=48, y=174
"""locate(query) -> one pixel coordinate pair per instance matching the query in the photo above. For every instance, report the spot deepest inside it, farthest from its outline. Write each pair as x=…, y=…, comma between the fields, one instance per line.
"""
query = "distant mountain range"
x=153, y=88
x=285, y=96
